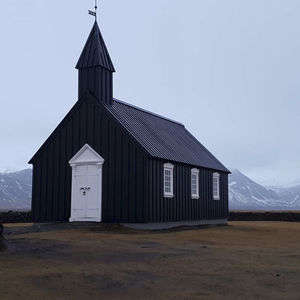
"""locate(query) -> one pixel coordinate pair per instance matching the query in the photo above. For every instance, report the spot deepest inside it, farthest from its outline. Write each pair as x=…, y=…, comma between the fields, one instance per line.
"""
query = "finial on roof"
x=94, y=13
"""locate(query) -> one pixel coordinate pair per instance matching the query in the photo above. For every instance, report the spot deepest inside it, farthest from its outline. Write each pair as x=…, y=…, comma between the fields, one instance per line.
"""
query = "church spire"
x=94, y=53
x=96, y=68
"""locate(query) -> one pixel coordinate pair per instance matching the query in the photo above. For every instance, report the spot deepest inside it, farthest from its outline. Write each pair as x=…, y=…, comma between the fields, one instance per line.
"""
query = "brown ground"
x=255, y=260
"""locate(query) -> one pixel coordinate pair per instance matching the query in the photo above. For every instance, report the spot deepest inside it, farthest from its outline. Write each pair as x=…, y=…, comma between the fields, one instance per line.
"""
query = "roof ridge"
x=148, y=112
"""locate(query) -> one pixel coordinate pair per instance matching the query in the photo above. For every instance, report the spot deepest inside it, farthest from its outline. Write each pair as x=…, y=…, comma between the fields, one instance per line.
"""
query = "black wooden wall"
x=98, y=81
x=182, y=207
x=132, y=182
x=123, y=170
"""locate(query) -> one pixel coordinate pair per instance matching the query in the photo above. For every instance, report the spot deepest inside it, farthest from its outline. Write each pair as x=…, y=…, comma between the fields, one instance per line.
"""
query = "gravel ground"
x=245, y=260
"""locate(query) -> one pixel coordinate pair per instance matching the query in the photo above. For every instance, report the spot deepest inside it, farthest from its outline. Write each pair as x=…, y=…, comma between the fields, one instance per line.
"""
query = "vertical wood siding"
x=132, y=183
x=98, y=81
x=182, y=207
x=123, y=170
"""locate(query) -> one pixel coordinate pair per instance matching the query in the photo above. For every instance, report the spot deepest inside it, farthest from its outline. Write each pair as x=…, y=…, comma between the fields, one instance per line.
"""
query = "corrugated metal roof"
x=95, y=53
x=163, y=138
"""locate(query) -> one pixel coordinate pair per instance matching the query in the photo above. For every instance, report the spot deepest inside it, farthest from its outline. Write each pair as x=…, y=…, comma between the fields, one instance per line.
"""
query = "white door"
x=86, y=190
x=86, y=201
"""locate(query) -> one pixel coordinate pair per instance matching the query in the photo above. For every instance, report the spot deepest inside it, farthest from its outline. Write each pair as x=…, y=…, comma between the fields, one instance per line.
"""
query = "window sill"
x=196, y=197
x=217, y=198
x=168, y=196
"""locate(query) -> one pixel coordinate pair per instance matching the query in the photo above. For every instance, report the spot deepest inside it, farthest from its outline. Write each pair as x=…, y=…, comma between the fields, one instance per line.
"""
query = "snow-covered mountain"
x=15, y=190
x=245, y=194
x=290, y=195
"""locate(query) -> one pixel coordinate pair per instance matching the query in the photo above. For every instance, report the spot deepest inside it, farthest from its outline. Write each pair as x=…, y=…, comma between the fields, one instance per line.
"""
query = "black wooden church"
x=109, y=161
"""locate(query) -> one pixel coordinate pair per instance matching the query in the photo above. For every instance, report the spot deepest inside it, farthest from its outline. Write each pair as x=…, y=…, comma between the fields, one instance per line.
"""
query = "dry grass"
x=255, y=260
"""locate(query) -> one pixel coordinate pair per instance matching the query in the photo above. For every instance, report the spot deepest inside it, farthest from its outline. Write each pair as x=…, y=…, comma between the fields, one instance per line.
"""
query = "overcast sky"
x=229, y=70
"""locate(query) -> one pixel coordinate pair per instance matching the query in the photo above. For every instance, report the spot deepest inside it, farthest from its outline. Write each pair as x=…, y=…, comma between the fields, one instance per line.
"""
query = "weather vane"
x=94, y=13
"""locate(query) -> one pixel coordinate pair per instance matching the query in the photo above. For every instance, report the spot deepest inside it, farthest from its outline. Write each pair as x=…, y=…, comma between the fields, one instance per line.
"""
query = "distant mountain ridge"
x=15, y=190
x=244, y=193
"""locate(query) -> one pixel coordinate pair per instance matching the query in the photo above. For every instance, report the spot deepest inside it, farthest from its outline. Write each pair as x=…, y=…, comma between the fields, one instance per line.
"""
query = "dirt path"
x=255, y=260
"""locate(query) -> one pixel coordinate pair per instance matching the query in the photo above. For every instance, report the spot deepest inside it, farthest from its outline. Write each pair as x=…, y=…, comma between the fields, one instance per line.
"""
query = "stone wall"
x=15, y=217
x=287, y=216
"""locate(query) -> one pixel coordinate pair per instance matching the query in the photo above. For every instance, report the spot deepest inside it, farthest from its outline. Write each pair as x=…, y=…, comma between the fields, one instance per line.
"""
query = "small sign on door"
x=85, y=190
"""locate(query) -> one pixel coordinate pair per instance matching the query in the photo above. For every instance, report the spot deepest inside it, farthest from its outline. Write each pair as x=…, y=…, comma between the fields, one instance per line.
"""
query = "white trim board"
x=86, y=155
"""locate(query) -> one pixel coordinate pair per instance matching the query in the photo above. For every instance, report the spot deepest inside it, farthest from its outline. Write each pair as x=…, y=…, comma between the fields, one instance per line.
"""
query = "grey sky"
x=229, y=70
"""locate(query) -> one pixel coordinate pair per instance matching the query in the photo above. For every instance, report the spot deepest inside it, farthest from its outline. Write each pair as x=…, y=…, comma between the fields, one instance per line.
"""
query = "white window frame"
x=195, y=172
x=217, y=194
x=169, y=167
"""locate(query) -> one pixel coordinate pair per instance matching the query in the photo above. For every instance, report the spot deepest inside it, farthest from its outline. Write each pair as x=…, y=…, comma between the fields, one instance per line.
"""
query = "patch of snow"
x=19, y=185
x=259, y=200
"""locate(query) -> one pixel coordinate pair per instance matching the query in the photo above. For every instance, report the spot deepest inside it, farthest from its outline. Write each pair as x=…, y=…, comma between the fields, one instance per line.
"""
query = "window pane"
x=168, y=188
x=194, y=184
x=216, y=187
x=194, y=179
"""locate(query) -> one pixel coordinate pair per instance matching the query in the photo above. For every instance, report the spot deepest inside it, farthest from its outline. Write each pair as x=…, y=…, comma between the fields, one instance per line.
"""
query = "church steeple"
x=94, y=53
x=96, y=68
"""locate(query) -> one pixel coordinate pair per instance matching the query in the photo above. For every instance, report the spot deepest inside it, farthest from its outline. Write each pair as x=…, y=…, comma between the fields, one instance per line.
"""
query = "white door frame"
x=84, y=157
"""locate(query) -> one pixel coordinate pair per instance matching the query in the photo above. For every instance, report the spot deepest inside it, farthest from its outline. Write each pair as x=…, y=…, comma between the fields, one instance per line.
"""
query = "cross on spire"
x=94, y=13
